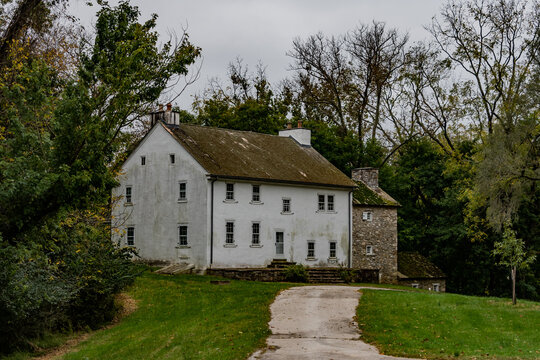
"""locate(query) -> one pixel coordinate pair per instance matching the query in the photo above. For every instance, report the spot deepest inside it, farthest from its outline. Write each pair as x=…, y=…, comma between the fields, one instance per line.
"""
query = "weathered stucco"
x=381, y=234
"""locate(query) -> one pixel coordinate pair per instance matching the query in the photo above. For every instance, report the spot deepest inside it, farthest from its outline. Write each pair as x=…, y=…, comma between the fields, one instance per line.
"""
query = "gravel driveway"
x=316, y=322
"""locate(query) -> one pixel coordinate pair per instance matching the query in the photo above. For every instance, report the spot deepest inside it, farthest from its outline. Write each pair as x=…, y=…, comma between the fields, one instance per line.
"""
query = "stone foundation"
x=381, y=234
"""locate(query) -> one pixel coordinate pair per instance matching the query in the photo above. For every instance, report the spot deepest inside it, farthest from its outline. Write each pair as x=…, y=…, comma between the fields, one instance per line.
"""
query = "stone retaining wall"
x=270, y=275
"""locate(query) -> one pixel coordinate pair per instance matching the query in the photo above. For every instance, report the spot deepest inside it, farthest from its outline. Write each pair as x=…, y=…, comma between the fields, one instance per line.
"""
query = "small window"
x=321, y=203
x=416, y=286
x=311, y=249
x=229, y=232
x=330, y=203
x=367, y=216
x=229, y=194
x=143, y=160
x=182, y=191
x=369, y=250
x=255, y=233
x=128, y=194
x=172, y=158
x=332, y=249
x=182, y=235
x=286, y=206
x=130, y=236
x=256, y=193
x=436, y=287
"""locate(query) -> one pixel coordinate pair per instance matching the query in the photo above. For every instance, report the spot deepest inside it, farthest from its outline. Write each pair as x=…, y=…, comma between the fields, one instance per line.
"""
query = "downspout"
x=212, y=222
x=350, y=231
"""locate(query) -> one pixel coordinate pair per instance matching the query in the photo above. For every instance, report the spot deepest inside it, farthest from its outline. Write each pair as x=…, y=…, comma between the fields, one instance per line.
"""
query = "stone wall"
x=270, y=275
x=426, y=284
x=380, y=232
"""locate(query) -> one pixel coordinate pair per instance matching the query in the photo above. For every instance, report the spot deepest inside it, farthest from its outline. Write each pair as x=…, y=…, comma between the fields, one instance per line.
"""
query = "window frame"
x=311, y=250
x=172, y=159
x=229, y=233
x=180, y=198
x=143, y=160
x=180, y=235
x=370, y=250
x=227, y=192
x=286, y=202
x=255, y=193
x=367, y=215
x=330, y=250
x=328, y=203
x=256, y=235
x=321, y=205
x=437, y=286
x=128, y=197
x=130, y=237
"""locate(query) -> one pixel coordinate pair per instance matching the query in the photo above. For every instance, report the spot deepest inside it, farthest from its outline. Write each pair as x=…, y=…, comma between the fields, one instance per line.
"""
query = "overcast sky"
x=263, y=30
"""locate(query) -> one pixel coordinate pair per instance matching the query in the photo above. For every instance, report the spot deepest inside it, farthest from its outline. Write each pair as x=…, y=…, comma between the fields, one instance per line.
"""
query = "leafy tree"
x=512, y=253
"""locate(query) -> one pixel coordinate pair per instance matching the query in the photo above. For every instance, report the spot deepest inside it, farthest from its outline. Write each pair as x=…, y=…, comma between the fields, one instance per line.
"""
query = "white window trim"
x=290, y=206
x=233, y=200
x=367, y=215
x=233, y=244
x=182, y=200
x=187, y=246
x=319, y=203
x=438, y=285
x=325, y=210
x=371, y=251
x=333, y=211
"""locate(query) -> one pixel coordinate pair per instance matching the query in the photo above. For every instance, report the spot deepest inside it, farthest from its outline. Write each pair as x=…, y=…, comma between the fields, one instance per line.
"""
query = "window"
x=130, y=236
x=229, y=194
x=436, y=287
x=255, y=233
x=416, y=286
x=143, y=160
x=286, y=206
x=369, y=250
x=256, y=193
x=330, y=204
x=321, y=203
x=182, y=191
x=128, y=194
x=171, y=157
x=182, y=235
x=311, y=249
x=367, y=216
x=229, y=232
x=332, y=249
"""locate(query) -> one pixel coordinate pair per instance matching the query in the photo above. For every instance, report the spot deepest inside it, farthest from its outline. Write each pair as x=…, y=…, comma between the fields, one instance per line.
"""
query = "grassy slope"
x=186, y=317
x=446, y=325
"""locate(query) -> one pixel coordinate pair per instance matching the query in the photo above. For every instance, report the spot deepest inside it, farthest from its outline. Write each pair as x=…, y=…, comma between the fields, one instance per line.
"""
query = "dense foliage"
x=62, y=126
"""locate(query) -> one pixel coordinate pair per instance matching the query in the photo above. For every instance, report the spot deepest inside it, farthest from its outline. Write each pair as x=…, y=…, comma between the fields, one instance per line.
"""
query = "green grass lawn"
x=439, y=326
x=186, y=317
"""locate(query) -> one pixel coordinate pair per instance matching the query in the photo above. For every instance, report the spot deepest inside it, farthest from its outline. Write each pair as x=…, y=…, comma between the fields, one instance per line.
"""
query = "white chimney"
x=300, y=135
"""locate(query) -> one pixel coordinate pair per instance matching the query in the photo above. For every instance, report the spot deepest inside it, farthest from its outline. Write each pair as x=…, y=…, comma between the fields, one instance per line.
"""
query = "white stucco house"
x=219, y=198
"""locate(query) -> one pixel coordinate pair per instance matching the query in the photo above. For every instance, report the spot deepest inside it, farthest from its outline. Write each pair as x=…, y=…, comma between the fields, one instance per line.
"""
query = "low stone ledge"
x=272, y=275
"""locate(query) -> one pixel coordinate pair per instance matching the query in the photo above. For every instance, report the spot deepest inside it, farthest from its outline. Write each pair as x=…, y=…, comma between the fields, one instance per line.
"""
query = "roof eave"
x=279, y=181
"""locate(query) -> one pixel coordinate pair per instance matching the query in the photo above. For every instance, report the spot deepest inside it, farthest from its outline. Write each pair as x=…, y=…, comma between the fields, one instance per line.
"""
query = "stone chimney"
x=370, y=176
x=300, y=135
x=166, y=115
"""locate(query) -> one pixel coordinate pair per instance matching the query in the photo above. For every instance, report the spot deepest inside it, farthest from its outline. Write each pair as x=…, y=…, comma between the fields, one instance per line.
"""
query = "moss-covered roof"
x=415, y=266
x=364, y=195
x=253, y=156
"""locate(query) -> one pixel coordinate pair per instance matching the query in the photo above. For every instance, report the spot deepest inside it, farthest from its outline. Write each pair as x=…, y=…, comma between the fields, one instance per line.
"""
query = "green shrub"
x=347, y=275
x=296, y=273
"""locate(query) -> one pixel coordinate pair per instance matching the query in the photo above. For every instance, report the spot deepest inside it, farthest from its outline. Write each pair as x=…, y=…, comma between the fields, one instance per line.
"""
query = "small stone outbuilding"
x=417, y=271
x=375, y=241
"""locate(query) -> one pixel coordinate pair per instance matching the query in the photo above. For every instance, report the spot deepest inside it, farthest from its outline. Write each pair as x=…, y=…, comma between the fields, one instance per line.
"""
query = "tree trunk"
x=514, y=285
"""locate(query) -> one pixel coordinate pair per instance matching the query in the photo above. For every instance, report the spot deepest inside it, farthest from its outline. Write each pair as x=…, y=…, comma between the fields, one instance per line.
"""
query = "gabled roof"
x=248, y=155
x=415, y=266
x=364, y=195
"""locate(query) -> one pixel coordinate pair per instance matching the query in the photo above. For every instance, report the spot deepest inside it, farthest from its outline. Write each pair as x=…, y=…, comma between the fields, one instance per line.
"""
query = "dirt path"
x=316, y=322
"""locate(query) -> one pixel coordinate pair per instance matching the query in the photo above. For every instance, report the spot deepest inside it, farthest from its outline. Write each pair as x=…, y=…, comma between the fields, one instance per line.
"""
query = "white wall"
x=156, y=212
x=306, y=223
